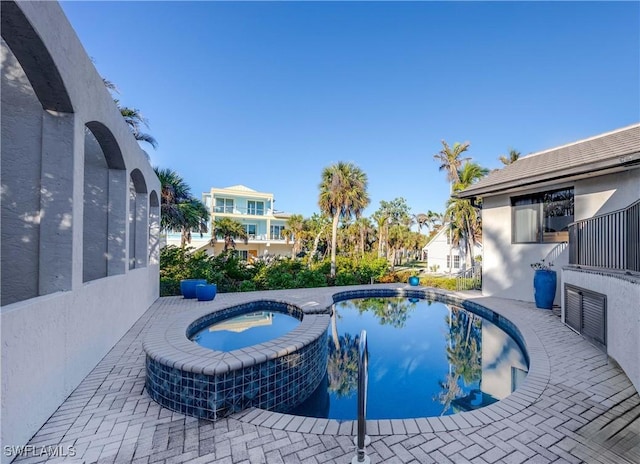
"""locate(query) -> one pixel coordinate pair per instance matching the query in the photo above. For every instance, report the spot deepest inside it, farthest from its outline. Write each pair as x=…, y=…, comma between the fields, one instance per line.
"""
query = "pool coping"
x=168, y=343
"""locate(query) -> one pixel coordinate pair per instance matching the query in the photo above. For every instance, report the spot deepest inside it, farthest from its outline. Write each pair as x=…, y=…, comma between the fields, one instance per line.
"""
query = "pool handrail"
x=363, y=381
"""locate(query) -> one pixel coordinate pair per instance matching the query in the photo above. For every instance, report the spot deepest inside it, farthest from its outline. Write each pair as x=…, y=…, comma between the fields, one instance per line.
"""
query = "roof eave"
x=612, y=165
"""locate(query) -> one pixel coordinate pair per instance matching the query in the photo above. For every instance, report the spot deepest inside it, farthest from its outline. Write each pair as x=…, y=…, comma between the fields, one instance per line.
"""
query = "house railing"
x=470, y=279
x=607, y=241
x=251, y=211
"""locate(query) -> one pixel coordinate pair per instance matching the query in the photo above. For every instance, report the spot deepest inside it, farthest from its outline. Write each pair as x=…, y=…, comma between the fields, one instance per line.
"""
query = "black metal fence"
x=609, y=241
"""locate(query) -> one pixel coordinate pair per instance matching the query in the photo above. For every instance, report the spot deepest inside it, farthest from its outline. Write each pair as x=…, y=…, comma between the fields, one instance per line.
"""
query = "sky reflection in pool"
x=425, y=359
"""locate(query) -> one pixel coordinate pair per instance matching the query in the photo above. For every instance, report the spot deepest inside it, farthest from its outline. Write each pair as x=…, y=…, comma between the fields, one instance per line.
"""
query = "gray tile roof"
x=606, y=151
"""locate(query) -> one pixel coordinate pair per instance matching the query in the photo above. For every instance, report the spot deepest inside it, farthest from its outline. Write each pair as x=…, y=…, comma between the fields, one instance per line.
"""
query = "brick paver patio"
x=587, y=411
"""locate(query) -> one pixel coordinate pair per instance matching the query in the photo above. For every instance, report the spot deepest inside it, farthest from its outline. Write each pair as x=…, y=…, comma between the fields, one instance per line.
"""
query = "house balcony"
x=236, y=211
x=173, y=238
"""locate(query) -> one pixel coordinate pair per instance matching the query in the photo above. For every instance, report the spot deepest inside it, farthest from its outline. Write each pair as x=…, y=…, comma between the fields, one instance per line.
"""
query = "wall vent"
x=586, y=313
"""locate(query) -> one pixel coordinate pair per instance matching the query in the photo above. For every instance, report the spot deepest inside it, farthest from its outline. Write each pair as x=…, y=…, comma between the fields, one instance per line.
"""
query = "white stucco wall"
x=50, y=343
x=604, y=194
x=506, y=270
x=57, y=330
x=623, y=315
x=506, y=266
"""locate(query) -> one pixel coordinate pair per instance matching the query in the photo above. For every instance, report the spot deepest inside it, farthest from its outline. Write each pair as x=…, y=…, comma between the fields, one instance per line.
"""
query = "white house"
x=444, y=257
x=255, y=211
x=577, y=206
x=80, y=218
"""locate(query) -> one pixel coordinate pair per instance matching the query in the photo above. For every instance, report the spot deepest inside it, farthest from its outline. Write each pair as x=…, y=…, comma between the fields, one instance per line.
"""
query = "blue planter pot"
x=414, y=281
x=188, y=287
x=206, y=292
x=544, y=286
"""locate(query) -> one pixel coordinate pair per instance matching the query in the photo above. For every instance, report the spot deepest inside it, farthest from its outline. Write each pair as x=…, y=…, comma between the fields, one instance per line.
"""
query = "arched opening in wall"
x=105, y=195
x=138, y=220
x=154, y=228
x=37, y=133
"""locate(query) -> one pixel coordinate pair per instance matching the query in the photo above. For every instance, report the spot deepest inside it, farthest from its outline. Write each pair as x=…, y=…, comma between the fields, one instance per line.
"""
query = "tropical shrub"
x=231, y=274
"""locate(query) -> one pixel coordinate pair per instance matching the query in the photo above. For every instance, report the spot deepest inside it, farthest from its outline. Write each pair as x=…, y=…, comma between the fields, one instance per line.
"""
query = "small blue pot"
x=414, y=281
x=188, y=287
x=206, y=292
x=544, y=286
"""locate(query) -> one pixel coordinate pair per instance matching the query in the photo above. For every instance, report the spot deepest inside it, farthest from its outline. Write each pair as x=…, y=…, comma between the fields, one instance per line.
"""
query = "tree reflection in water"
x=342, y=366
x=389, y=311
x=464, y=341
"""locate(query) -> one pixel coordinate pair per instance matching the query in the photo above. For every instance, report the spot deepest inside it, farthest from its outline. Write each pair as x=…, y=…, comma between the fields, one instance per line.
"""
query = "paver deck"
x=587, y=411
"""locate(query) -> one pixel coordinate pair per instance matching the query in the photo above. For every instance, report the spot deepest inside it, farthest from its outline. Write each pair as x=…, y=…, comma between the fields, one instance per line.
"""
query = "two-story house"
x=255, y=211
x=576, y=206
x=442, y=256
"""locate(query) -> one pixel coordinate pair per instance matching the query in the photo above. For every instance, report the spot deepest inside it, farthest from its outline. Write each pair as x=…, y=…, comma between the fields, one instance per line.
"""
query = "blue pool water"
x=425, y=359
x=245, y=330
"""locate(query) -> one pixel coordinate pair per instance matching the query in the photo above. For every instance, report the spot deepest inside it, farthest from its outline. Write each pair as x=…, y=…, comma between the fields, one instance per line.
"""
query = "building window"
x=542, y=217
x=242, y=254
x=456, y=262
x=448, y=237
x=255, y=207
x=276, y=232
x=448, y=262
x=251, y=230
x=224, y=205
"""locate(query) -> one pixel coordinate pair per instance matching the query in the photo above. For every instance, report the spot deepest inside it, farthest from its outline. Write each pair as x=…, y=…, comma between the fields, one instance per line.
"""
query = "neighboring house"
x=255, y=211
x=577, y=206
x=448, y=258
x=80, y=219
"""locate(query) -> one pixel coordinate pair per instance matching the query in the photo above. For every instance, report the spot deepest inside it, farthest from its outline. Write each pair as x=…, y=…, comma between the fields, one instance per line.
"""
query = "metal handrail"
x=470, y=279
x=607, y=241
x=363, y=381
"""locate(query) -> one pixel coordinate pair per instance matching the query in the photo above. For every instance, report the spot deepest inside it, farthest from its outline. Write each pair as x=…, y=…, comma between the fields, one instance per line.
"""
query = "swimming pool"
x=426, y=358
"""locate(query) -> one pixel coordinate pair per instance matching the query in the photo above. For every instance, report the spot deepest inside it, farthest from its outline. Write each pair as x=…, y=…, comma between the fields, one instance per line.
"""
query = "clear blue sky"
x=267, y=94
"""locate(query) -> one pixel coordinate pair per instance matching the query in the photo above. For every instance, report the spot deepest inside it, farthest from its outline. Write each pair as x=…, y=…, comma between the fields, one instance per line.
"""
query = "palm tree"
x=381, y=218
x=398, y=238
x=195, y=216
x=465, y=218
x=514, y=155
x=390, y=213
x=450, y=160
x=229, y=230
x=174, y=190
x=364, y=229
x=179, y=210
x=132, y=116
x=294, y=231
x=429, y=220
x=134, y=119
x=343, y=193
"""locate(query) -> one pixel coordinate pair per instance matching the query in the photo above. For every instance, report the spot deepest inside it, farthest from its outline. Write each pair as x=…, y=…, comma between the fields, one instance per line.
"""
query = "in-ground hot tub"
x=276, y=375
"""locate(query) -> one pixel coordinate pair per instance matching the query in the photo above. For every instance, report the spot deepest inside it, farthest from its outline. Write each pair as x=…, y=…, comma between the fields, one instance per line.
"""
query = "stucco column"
x=117, y=244
x=56, y=197
x=142, y=229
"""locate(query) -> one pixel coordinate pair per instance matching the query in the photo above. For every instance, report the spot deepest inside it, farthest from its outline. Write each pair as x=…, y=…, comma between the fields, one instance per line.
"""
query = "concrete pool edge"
x=531, y=389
